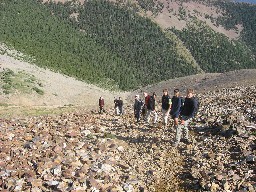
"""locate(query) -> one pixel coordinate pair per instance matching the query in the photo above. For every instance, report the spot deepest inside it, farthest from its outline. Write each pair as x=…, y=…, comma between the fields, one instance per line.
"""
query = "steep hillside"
x=123, y=45
x=57, y=43
x=214, y=50
x=23, y=84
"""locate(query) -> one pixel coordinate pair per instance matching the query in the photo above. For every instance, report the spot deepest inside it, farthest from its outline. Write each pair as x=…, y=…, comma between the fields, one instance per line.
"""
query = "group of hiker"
x=118, y=105
x=181, y=110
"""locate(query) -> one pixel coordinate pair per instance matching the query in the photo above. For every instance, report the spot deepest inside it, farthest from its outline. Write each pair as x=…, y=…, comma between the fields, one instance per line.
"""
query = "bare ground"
x=203, y=82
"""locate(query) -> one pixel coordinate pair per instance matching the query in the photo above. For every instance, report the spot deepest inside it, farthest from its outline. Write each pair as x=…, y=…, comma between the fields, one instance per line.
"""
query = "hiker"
x=166, y=106
x=151, y=108
x=187, y=113
x=101, y=105
x=116, y=106
x=120, y=106
x=137, y=107
x=176, y=105
x=145, y=106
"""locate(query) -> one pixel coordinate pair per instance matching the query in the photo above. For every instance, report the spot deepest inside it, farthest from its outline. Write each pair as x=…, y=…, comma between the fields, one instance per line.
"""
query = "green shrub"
x=109, y=135
x=39, y=91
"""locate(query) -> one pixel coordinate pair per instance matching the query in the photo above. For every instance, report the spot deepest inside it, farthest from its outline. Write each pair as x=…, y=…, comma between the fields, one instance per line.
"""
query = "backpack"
x=197, y=105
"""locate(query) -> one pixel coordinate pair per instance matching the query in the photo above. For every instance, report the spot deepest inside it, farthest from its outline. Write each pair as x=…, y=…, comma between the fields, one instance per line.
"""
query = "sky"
x=247, y=1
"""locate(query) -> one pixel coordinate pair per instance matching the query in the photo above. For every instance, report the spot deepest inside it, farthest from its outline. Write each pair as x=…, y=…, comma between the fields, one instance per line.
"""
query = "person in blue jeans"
x=188, y=111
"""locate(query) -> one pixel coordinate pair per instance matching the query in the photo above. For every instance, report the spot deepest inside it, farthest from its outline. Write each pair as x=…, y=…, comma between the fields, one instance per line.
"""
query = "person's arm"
x=195, y=103
x=154, y=105
x=134, y=106
x=170, y=105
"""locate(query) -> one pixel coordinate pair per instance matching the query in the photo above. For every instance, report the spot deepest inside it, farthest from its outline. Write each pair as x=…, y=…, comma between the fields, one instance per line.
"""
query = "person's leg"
x=145, y=114
x=175, y=118
x=177, y=135
x=164, y=116
x=148, y=115
x=179, y=130
x=185, y=122
x=175, y=122
x=186, y=129
x=118, y=111
x=155, y=116
x=138, y=116
x=121, y=110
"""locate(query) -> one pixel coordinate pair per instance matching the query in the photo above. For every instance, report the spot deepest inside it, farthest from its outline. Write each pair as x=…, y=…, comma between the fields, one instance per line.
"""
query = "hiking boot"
x=175, y=144
x=186, y=141
x=154, y=124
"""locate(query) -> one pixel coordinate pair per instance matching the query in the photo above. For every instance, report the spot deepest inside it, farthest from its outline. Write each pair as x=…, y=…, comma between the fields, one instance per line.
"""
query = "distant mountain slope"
x=57, y=90
x=150, y=56
x=129, y=44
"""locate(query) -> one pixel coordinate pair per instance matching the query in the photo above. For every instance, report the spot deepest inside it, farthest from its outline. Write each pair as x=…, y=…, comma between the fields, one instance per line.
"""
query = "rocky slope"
x=83, y=151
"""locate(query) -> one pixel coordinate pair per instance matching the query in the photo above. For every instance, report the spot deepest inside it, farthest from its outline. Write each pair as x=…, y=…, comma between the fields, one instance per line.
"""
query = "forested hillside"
x=240, y=13
x=213, y=51
x=30, y=27
x=112, y=45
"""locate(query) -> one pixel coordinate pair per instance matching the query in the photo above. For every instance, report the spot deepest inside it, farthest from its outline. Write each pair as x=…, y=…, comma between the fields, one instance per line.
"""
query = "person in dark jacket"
x=187, y=113
x=151, y=108
x=120, y=106
x=101, y=104
x=176, y=105
x=166, y=105
x=116, y=106
x=137, y=107
x=145, y=106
